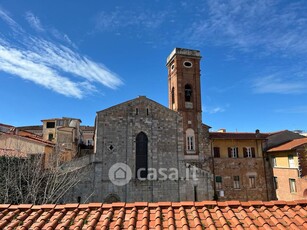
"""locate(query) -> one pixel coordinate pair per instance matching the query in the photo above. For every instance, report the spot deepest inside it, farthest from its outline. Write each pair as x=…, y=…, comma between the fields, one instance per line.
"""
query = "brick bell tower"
x=184, y=95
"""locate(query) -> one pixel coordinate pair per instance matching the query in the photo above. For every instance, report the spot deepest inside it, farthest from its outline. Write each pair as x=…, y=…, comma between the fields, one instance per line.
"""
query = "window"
x=191, y=143
x=216, y=152
x=218, y=182
x=141, y=155
x=60, y=123
x=89, y=142
x=172, y=67
x=274, y=163
x=236, y=182
x=188, y=93
x=173, y=95
x=233, y=152
x=252, y=181
x=50, y=136
x=136, y=111
x=147, y=111
x=292, y=185
x=275, y=182
x=249, y=152
x=291, y=161
x=50, y=125
x=190, y=140
x=187, y=64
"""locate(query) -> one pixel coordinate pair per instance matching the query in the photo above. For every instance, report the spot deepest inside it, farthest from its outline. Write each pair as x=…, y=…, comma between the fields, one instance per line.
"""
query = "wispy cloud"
x=51, y=64
x=278, y=84
x=4, y=15
x=122, y=19
x=18, y=63
x=293, y=110
x=274, y=26
x=34, y=21
x=213, y=110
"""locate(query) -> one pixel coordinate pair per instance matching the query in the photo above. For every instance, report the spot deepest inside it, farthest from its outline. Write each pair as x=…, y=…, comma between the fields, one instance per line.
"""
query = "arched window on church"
x=188, y=93
x=190, y=139
x=173, y=95
x=141, y=155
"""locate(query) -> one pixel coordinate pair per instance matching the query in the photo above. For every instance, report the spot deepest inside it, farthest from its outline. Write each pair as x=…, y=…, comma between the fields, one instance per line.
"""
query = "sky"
x=73, y=58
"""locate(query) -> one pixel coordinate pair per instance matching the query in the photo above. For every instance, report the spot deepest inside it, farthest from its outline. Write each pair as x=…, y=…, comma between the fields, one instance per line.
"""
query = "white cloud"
x=275, y=26
x=4, y=15
x=213, y=110
x=123, y=19
x=34, y=22
x=293, y=110
x=277, y=84
x=51, y=64
x=18, y=63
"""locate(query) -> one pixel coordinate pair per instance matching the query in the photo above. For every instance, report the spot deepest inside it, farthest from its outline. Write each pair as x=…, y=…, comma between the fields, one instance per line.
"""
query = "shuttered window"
x=233, y=152
x=249, y=152
x=236, y=182
x=216, y=151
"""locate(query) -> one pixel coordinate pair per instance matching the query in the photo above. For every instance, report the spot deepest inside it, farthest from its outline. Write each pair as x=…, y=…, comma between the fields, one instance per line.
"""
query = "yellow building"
x=289, y=162
x=24, y=144
x=65, y=134
x=239, y=166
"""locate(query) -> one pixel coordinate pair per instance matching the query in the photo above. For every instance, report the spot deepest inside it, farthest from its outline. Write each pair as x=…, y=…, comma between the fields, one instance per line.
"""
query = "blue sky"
x=73, y=58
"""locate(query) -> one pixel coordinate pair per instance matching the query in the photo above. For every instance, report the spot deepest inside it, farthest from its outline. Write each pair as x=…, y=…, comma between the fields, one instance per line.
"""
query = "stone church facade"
x=165, y=151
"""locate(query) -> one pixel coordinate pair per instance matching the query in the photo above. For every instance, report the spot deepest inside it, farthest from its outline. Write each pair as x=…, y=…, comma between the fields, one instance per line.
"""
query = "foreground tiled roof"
x=289, y=145
x=162, y=215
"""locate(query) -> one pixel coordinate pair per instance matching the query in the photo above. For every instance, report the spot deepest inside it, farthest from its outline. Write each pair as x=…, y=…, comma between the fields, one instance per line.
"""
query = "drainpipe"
x=178, y=183
x=213, y=170
x=264, y=169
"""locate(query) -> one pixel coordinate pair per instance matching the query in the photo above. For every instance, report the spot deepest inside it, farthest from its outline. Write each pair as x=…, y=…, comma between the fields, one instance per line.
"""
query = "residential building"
x=87, y=135
x=6, y=128
x=24, y=144
x=239, y=166
x=65, y=133
x=289, y=162
x=36, y=129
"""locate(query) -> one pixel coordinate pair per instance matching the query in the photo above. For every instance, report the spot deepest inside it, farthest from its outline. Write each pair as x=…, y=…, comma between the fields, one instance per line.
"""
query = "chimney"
x=221, y=131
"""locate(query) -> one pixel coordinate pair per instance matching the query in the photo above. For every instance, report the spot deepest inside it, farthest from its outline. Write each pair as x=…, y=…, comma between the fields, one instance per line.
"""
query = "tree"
x=27, y=180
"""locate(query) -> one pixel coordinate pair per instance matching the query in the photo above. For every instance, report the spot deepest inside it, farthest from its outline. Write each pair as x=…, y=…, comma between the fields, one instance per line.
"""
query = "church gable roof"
x=138, y=100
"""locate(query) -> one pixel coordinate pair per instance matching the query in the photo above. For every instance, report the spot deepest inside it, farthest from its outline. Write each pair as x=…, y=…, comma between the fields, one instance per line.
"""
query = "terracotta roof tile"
x=289, y=145
x=237, y=135
x=162, y=215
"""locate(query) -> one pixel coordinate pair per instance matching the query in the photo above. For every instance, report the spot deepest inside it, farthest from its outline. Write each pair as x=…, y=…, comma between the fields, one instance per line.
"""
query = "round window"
x=172, y=67
x=187, y=64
